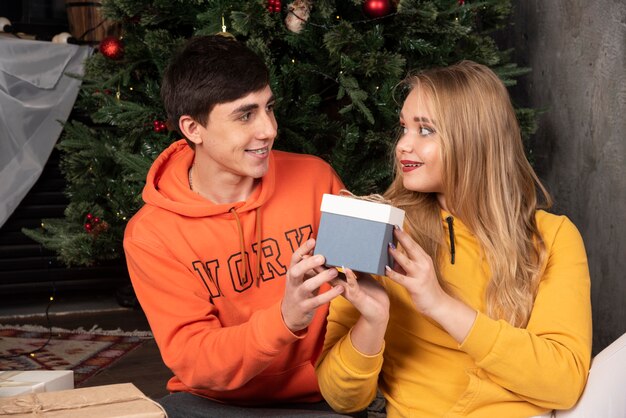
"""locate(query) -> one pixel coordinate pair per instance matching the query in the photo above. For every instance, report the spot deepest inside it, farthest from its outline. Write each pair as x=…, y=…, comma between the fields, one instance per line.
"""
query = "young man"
x=220, y=254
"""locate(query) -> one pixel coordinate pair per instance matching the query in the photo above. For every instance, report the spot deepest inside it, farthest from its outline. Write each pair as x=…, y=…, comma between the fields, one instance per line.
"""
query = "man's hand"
x=305, y=275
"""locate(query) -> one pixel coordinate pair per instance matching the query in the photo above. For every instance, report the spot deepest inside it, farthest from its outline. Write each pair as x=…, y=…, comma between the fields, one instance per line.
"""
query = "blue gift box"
x=356, y=233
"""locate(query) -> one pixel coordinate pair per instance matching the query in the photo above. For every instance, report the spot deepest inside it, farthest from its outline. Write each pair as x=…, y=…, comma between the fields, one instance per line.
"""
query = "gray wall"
x=577, y=52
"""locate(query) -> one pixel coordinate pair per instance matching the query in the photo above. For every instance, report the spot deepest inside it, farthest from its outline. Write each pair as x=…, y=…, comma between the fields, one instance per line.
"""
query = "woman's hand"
x=416, y=273
x=367, y=295
x=371, y=300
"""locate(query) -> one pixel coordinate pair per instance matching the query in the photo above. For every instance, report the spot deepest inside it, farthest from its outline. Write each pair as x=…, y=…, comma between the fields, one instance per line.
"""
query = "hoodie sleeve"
x=348, y=379
x=193, y=342
x=547, y=362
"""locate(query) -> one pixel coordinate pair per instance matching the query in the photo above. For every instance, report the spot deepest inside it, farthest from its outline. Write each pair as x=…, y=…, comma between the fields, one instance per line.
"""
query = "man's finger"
x=326, y=297
x=315, y=282
x=302, y=252
x=298, y=270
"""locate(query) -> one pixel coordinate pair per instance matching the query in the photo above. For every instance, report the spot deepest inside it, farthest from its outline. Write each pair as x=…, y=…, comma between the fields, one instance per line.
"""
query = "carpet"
x=86, y=352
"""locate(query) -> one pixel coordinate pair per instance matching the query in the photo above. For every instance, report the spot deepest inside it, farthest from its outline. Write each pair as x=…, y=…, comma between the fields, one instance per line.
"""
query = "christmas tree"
x=334, y=68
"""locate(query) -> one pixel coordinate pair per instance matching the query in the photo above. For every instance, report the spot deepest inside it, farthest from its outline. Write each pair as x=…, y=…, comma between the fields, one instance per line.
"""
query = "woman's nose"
x=403, y=144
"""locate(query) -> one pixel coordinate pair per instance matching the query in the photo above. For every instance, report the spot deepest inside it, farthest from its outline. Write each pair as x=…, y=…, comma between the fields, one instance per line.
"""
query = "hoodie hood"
x=167, y=186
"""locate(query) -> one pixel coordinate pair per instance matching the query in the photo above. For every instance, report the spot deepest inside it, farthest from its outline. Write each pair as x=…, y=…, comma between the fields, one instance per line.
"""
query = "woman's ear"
x=190, y=128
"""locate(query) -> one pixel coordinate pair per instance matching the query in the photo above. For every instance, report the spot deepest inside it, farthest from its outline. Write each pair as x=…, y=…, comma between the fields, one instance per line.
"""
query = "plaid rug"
x=86, y=352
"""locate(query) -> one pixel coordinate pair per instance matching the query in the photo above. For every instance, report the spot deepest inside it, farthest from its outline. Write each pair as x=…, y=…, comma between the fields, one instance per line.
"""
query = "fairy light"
x=32, y=353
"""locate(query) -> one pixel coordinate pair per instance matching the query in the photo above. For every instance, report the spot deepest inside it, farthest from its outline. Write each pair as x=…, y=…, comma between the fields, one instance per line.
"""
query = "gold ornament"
x=223, y=32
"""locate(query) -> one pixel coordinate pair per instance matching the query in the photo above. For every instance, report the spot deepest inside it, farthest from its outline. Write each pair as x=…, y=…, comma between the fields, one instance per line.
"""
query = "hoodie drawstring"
x=243, y=247
x=450, y=221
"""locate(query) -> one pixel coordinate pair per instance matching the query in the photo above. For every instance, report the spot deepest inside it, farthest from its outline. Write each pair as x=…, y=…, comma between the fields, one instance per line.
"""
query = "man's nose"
x=267, y=126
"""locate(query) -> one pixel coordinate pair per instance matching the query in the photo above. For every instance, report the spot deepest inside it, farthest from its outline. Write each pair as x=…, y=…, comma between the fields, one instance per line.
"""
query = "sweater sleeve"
x=547, y=362
x=348, y=379
x=194, y=344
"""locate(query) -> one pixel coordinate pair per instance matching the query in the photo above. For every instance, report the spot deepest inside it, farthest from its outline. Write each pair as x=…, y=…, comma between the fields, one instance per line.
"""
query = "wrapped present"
x=356, y=233
x=110, y=401
x=34, y=381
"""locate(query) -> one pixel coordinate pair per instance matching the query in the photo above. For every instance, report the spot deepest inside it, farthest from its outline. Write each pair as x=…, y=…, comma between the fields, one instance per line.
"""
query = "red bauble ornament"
x=112, y=48
x=461, y=2
x=377, y=8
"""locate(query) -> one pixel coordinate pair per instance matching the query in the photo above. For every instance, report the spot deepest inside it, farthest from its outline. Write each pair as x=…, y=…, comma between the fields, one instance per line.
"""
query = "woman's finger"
x=350, y=276
x=401, y=279
x=412, y=248
x=400, y=259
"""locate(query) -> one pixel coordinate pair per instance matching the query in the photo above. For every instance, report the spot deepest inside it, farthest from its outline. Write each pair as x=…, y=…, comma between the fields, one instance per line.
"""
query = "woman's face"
x=418, y=151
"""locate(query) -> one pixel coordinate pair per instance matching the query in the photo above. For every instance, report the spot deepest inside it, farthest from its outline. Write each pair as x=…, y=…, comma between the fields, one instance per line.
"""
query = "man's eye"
x=404, y=130
x=270, y=107
x=245, y=117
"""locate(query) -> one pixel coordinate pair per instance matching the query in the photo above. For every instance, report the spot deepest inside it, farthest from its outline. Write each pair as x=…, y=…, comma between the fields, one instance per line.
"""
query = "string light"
x=355, y=22
x=32, y=353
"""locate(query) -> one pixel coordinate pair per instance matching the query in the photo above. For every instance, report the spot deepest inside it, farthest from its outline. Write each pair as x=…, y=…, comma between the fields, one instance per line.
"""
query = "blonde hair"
x=488, y=183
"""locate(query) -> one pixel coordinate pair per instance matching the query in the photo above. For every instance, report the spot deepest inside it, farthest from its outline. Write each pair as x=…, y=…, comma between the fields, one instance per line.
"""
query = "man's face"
x=238, y=137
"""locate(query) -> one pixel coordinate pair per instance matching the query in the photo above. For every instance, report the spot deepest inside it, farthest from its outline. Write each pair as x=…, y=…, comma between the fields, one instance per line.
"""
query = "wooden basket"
x=87, y=23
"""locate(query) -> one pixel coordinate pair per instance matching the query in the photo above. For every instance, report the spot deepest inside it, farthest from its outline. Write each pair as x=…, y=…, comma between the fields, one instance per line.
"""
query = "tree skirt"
x=86, y=352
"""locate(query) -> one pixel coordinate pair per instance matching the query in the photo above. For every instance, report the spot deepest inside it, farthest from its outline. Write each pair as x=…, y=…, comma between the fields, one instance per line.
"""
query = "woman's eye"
x=424, y=131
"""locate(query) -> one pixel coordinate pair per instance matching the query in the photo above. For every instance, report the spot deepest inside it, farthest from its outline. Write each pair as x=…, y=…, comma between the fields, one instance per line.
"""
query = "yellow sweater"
x=499, y=370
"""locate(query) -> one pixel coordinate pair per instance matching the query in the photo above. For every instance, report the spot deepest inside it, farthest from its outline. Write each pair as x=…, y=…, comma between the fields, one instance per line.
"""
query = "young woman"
x=487, y=312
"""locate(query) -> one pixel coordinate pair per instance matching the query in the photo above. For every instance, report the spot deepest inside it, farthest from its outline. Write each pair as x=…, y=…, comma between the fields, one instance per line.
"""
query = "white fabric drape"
x=36, y=96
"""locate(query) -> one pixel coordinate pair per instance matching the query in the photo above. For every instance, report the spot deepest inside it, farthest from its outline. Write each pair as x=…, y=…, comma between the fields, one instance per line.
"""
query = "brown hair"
x=207, y=71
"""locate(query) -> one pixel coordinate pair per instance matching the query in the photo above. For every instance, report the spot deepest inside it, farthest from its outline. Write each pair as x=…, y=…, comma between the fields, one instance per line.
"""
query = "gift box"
x=356, y=233
x=110, y=401
x=34, y=381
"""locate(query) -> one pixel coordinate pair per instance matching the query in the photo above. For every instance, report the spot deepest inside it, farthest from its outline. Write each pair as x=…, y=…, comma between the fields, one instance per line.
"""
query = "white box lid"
x=363, y=209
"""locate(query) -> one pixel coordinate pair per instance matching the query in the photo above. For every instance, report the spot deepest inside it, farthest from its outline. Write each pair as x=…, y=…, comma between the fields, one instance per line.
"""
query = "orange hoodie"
x=215, y=317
